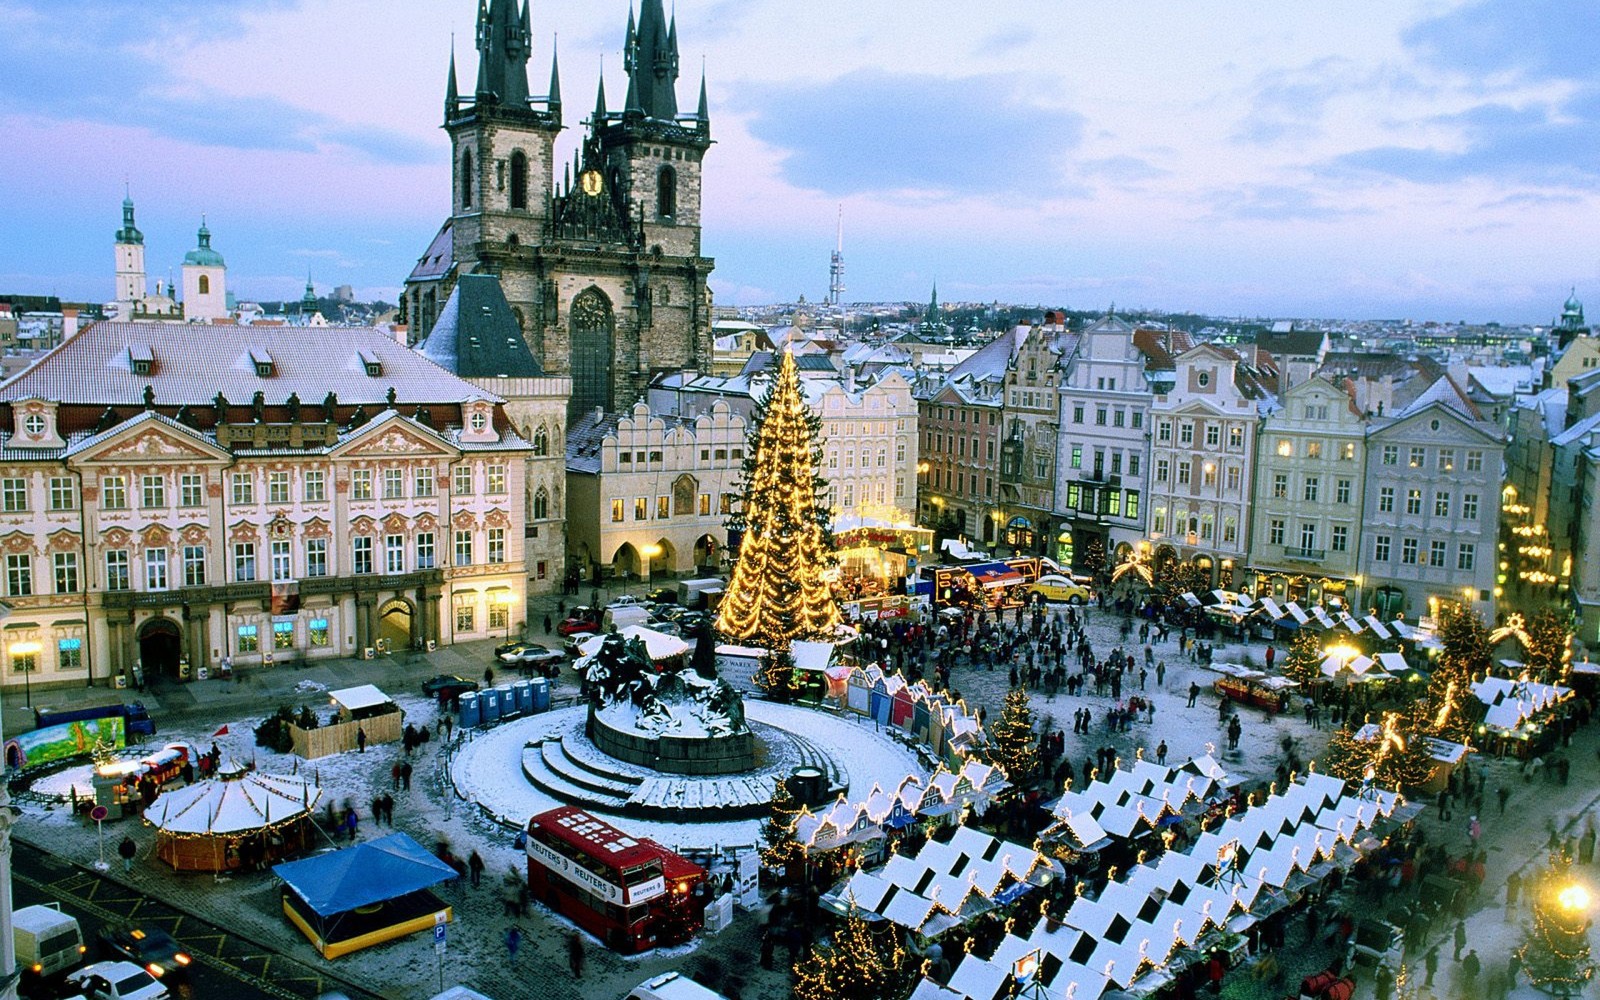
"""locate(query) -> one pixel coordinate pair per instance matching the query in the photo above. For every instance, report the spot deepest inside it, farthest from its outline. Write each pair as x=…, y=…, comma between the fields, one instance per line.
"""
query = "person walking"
x=405, y=775
x=361, y=739
x=1161, y=752
x=1161, y=673
x=1470, y=967
x=1502, y=793
x=1430, y=961
x=127, y=850
x=1194, y=692
x=1460, y=938
x=513, y=942
x=1474, y=830
x=475, y=868
x=388, y=809
x=1513, y=889
x=547, y=629
x=575, y=954
x=394, y=774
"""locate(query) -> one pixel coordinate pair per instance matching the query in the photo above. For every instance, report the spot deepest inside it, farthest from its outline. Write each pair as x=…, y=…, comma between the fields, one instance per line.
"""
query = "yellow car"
x=1057, y=589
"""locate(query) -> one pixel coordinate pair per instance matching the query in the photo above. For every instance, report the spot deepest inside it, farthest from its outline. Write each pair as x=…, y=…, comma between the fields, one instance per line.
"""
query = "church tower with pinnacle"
x=603, y=267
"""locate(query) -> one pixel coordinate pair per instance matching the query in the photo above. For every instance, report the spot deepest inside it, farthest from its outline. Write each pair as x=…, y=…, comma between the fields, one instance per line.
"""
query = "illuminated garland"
x=778, y=592
x=855, y=963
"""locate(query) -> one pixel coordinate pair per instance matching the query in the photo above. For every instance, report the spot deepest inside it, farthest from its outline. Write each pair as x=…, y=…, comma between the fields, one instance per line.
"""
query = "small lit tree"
x=776, y=677
x=1555, y=950
x=1548, y=646
x=1465, y=657
x=857, y=963
x=782, y=855
x=1394, y=756
x=1011, y=741
x=1303, y=664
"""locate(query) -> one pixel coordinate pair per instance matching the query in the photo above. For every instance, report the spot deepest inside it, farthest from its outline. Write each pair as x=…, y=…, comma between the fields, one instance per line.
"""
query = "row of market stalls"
x=1109, y=822
x=946, y=727
x=944, y=885
x=1143, y=932
x=867, y=824
x=1268, y=617
x=1517, y=714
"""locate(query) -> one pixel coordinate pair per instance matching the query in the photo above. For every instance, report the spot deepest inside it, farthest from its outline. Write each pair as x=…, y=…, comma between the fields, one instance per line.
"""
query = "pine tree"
x=1464, y=658
x=1303, y=665
x=1548, y=652
x=782, y=855
x=1011, y=742
x=1398, y=757
x=1555, y=950
x=778, y=593
x=856, y=963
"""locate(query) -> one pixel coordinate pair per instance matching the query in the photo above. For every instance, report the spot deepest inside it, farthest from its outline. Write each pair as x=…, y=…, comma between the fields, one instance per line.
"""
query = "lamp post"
x=649, y=552
x=8, y=946
x=505, y=599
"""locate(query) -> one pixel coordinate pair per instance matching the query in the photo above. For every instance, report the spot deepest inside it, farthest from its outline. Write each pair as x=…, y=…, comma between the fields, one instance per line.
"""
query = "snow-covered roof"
x=1509, y=704
x=659, y=645
x=359, y=697
x=232, y=806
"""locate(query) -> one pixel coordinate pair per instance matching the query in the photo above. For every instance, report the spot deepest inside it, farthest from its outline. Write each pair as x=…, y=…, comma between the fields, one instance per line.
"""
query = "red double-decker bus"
x=630, y=892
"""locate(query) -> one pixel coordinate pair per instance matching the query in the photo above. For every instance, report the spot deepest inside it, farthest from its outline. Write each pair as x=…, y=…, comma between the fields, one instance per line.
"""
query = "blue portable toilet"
x=539, y=690
x=489, y=706
x=524, y=692
x=467, y=714
x=508, y=701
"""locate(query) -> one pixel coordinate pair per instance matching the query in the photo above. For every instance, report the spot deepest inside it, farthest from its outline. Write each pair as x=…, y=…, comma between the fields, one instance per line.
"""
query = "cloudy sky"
x=1363, y=158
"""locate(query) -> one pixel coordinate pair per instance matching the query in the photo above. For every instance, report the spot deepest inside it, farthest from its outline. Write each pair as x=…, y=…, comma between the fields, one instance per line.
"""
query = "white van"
x=48, y=941
x=620, y=618
x=671, y=986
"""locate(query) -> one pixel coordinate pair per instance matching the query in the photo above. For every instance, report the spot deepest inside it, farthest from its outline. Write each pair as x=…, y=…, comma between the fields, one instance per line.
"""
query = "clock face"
x=33, y=424
x=592, y=182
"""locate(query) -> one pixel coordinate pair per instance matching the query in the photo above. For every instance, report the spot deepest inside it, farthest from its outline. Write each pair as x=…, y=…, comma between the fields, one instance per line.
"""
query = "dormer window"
x=265, y=366
x=141, y=360
x=370, y=362
x=479, y=420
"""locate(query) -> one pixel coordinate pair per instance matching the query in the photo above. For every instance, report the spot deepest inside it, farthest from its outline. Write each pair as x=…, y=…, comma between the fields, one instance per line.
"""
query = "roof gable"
x=143, y=438
x=392, y=435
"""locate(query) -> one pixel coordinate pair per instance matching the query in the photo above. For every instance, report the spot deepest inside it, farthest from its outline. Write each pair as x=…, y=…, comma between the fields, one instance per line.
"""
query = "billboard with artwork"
x=65, y=740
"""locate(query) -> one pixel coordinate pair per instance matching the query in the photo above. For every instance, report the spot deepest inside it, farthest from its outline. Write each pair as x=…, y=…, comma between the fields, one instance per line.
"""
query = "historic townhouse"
x=959, y=423
x=1202, y=458
x=651, y=494
x=1029, y=415
x=868, y=436
x=1103, y=459
x=1433, y=477
x=1305, y=536
x=173, y=496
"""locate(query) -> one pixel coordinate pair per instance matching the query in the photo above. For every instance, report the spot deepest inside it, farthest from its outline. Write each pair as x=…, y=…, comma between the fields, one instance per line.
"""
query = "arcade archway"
x=160, y=647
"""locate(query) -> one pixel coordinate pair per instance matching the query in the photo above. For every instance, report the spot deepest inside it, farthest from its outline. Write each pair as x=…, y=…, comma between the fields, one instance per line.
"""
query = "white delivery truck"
x=671, y=986
x=48, y=941
x=620, y=617
x=702, y=593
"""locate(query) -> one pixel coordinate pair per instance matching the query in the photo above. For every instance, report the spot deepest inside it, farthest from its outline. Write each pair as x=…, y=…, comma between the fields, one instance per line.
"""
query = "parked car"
x=447, y=687
x=576, y=639
x=117, y=981
x=143, y=945
x=625, y=601
x=582, y=619
x=1055, y=588
x=530, y=655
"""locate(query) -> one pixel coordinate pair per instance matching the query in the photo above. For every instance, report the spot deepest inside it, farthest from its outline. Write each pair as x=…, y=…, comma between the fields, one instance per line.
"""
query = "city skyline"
x=1424, y=160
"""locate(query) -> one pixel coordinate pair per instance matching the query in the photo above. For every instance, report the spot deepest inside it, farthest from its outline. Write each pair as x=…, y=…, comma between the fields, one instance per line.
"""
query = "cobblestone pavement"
x=477, y=955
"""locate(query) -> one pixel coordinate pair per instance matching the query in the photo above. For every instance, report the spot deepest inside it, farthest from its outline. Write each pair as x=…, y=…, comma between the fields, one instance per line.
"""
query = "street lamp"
x=649, y=552
x=1574, y=898
x=505, y=600
x=24, y=655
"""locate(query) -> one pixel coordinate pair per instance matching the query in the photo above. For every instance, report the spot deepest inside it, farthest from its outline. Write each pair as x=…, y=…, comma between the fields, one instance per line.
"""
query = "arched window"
x=205, y=284
x=667, y=193
x=519, y=180
x=541, y=505
x=466, y=179
x=541, y=441
x=592, y=326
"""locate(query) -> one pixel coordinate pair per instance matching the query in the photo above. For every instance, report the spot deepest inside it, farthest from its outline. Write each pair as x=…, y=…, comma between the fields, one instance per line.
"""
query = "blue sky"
x=1430, y=159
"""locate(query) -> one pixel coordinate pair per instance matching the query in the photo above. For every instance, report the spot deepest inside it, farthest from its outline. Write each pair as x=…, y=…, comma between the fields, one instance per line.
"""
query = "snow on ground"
x=488, y=770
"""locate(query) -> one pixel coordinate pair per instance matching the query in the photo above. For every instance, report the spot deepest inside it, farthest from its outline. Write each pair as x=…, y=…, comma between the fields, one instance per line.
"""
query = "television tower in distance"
x=836, y=267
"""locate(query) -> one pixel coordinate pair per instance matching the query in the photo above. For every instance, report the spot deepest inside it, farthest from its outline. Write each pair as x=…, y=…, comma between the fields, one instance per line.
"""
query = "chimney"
x=69, y=322
x=400, y=330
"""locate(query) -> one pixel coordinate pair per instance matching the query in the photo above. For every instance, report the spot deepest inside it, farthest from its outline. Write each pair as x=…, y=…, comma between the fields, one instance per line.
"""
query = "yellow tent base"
x=335, y=949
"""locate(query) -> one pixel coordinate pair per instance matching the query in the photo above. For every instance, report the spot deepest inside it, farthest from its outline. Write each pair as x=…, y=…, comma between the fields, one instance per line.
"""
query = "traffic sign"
x=438, y=938
x=99, y=813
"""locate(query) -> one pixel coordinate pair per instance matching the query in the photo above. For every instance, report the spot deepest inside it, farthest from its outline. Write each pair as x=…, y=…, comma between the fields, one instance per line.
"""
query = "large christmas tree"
x=1555, y=953
x=778, y=593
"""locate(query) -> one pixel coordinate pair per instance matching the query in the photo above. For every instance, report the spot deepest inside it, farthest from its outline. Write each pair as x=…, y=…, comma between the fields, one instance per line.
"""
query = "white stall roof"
x=360, y=696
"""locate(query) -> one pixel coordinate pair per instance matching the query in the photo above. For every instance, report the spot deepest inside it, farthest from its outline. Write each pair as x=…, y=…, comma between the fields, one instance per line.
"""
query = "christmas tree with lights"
x=1011, y=743
x=1555, y=951
x=782, y=855
x=856, y=963
x=1391, y=755
x=778, y=592
x=1465, y=657
x=1303, y=665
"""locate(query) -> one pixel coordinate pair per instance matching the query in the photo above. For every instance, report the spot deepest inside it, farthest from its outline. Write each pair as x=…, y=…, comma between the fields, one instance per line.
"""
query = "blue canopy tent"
x=360, y=896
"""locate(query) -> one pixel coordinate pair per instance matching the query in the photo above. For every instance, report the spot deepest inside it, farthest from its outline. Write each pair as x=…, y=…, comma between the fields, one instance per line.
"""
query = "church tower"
x=131, y=287
x=603, y=268
x=502, y=144
x=205, y=277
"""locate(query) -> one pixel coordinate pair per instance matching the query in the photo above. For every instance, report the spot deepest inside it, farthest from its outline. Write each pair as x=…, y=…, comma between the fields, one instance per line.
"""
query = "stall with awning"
x=992, y=575
x=226, y=824
x=364, y=895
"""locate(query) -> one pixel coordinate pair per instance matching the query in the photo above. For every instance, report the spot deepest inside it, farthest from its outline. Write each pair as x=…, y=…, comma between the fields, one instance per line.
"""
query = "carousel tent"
x=364, y=895
x=219, y=825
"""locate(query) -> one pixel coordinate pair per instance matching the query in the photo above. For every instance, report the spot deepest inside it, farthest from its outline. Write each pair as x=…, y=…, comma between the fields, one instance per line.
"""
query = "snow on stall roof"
x=233, y=806
x=360, y=696
x=659, y=645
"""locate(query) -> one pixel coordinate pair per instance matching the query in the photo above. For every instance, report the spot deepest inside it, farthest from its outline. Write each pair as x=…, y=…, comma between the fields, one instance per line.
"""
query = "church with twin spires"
x=602, y=268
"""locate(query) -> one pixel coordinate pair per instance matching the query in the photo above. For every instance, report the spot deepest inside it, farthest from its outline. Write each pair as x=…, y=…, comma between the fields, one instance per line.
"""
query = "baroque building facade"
x=175, y=497
x=603, y=270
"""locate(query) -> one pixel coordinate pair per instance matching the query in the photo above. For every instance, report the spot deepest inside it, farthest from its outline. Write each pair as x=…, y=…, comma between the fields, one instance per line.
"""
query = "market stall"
x=364, y=895
x=226, y=824
x=1517, y=715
